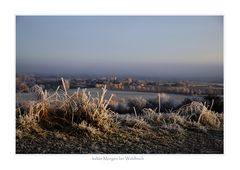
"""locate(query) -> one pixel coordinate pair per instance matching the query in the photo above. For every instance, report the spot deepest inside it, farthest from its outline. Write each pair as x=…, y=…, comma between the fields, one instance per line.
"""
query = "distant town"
x=24, y=83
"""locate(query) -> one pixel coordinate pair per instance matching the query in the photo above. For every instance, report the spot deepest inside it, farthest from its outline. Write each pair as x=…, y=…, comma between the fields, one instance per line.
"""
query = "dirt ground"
x=124, y=140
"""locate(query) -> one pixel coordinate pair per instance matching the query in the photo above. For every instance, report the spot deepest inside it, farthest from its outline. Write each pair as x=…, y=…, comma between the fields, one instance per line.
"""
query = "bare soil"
x=123, y=140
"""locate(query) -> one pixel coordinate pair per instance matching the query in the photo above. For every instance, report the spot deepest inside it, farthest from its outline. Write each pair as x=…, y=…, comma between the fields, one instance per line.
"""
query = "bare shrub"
x=138, y=102
x=164, y=98
x=119, y=105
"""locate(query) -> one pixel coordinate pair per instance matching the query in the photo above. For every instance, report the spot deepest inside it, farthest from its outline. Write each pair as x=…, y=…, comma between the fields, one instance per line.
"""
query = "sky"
x=148, y=46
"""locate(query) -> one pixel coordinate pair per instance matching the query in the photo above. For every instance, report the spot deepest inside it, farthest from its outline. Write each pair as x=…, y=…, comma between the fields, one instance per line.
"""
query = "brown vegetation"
x=74, y=121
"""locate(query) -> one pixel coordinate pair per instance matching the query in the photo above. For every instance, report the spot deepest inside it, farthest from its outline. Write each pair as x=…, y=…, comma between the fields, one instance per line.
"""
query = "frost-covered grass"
x=82, y=115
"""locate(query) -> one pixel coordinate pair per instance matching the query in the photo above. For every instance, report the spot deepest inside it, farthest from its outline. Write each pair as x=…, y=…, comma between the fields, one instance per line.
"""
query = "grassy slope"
x=82, y=124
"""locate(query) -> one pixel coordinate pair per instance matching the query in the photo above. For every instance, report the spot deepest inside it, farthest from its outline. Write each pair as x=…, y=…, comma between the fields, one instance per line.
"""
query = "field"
x=83, y=124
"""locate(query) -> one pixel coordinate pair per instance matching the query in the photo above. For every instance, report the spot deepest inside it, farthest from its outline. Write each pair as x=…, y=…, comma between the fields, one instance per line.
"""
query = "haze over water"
x=170, y=47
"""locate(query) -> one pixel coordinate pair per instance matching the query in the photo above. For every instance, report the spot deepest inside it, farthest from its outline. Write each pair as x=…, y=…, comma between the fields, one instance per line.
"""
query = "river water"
x=175, y=98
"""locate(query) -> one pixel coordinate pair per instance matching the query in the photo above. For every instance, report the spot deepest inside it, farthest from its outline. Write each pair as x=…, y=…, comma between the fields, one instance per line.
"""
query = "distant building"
x=113, y=78
x=129, y=80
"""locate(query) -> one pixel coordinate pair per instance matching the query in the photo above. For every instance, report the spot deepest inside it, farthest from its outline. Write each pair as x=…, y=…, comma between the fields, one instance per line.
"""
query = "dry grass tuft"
x=133, y=122
x=92, y=115
x=141, y=124
x=88, y=129
x=78, y=108
x=27, y=124
x=209, y=118
x=82, y=107
x=177, y=119
x=154, y=118
x=39, y=109
x=200, y=113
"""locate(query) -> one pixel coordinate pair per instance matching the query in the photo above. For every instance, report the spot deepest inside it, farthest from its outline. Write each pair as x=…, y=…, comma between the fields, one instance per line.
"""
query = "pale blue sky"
x=187, y=46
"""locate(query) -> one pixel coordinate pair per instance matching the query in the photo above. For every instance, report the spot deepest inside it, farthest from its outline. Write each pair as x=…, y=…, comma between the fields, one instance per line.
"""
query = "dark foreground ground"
x=123, y=140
